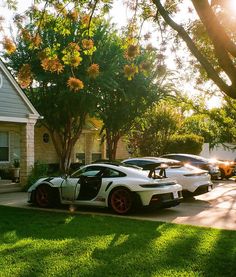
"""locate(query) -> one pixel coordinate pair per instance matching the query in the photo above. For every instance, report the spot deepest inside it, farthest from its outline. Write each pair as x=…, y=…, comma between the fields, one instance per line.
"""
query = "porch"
x=7, y=186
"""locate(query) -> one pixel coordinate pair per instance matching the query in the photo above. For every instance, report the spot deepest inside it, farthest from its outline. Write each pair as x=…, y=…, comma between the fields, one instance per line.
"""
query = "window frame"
x=8, y=138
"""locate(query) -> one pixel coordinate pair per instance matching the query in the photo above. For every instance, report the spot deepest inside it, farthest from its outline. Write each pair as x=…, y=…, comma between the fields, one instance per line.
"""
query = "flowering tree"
x=52, y=58
x=69, y=64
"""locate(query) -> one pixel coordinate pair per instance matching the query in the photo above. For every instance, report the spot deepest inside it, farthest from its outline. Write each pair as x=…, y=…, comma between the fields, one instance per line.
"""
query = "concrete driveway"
x=214, y=209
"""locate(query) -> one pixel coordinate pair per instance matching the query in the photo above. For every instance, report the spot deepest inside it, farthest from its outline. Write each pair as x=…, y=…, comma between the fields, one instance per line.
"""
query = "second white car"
x=194, y=181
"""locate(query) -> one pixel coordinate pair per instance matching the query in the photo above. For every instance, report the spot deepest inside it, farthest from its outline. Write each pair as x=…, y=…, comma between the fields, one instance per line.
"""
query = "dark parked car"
x=197, y=161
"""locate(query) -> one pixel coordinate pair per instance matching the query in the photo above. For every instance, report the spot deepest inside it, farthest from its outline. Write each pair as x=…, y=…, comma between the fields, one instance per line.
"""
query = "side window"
x=142, y=163
x=134, y=162
x=178, y=158
x=93, y=171
x=90, y=171
x=139, y=162
x=112, y=173
x=191, y=160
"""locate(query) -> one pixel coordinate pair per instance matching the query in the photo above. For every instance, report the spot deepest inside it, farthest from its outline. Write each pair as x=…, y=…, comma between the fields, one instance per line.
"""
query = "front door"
x=89, y=187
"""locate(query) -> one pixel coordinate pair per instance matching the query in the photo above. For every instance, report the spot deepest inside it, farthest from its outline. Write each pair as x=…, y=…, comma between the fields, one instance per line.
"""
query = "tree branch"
x=221, y=41
x=211, y=72
x=214, y=28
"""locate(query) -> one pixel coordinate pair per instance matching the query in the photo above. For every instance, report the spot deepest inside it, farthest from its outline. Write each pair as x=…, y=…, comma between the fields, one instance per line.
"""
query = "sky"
x=119, y=16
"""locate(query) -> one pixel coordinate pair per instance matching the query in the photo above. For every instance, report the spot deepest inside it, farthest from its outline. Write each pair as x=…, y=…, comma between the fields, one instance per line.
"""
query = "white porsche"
x=116, y=186
x=193, y=180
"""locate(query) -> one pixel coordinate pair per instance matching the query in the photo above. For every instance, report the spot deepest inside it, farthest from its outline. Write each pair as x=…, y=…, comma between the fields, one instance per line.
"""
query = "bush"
x=38, y=171
x=189, y=144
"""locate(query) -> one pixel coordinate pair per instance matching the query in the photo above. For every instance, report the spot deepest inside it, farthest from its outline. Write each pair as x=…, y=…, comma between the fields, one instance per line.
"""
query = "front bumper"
x=31, y=197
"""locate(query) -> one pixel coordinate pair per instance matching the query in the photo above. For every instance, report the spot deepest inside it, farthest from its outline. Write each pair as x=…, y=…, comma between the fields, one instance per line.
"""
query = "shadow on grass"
x=35, y=243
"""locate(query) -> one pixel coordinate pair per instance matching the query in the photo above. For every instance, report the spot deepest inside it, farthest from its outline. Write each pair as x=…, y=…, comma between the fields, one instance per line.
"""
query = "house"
x=17, y=120
x=88, y=148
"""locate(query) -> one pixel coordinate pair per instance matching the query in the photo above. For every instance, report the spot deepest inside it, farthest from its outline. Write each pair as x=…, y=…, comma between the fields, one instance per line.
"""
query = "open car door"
x=89, y=187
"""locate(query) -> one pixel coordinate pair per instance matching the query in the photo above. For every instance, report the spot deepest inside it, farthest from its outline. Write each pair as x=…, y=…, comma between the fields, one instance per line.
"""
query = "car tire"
x=44, y=197
x=121, y=201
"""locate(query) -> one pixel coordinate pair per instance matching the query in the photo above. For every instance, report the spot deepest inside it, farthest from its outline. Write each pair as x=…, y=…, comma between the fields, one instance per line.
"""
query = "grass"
x=38, y=243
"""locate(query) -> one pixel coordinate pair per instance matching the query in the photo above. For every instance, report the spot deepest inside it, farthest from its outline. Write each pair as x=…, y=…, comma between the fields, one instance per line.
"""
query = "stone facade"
x=21, y=146
x=17, y=120
x=27, y=150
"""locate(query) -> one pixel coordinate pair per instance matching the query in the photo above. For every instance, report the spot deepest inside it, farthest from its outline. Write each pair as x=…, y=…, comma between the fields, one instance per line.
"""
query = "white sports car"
x=193, y=180
x=116, y=186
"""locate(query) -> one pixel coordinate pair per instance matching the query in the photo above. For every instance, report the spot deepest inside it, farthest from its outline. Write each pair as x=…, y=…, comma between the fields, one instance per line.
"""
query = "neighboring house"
x=88, y=148
x=17, y=120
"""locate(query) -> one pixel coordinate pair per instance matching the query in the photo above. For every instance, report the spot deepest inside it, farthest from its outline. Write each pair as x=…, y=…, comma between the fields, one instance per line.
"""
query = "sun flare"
x=232, y=6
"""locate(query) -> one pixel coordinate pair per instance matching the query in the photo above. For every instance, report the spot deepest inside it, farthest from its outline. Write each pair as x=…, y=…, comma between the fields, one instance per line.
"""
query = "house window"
x=46, y=138
x=96, y=156
x=4, y=147
x=80, y=158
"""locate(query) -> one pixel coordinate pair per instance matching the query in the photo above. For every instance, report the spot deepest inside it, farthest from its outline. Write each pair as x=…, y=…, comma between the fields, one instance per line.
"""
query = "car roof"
x=187, y=155
x=154, y=159
x=121, y=167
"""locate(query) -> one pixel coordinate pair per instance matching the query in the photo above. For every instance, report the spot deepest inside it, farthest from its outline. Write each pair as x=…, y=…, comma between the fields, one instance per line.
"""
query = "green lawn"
x=35, y=243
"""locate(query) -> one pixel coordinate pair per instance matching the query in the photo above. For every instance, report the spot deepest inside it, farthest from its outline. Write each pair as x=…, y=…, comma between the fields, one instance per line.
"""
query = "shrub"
x=189, y=143
x=39, y=170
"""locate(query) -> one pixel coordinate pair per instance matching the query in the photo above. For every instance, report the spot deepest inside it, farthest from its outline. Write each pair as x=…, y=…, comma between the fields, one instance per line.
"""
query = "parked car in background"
x=227, y=168
x=197, y=161
x=116, y=186
x=193, y=180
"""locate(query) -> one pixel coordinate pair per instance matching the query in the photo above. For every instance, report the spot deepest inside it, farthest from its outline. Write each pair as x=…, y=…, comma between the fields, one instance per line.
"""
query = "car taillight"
x=155, y=185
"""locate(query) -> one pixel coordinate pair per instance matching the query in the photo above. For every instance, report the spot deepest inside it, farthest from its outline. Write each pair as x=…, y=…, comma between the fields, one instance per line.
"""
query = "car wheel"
x=43, y=196
x=121, y=201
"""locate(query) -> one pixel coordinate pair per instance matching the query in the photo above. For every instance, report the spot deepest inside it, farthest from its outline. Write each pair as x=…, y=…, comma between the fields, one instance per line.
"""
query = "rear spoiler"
x=158, y=166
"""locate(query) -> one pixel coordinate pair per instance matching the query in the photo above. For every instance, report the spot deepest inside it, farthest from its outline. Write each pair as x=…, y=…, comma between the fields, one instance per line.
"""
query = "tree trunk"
x=64, y=143
x=112, y=142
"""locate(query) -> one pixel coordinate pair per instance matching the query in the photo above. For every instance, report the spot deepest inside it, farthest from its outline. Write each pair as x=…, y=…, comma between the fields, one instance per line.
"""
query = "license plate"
x=175, y=194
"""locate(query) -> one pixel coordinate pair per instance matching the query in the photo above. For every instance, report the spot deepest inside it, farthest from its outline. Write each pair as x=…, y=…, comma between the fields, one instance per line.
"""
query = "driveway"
x=214, y=209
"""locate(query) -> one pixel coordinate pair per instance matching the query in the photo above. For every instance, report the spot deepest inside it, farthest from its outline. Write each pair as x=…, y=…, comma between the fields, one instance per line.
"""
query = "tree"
x=215, y=27
x=216, y=126
x=221, y=39
x=217, y=24
x=186, y=143
x=61, y=59
x=52, y=58
x=121, y=100
x=201, y=124
x=152, y=132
